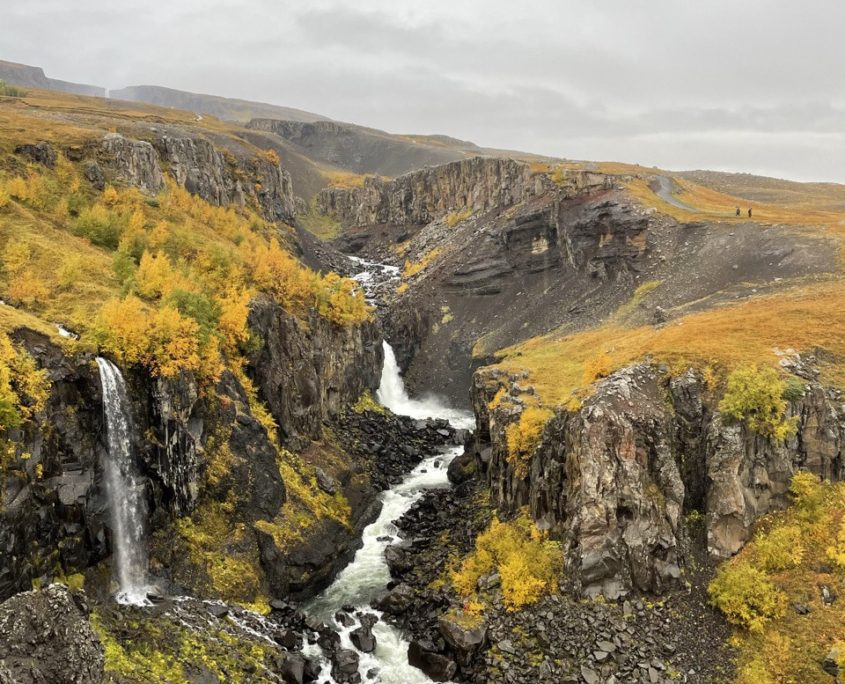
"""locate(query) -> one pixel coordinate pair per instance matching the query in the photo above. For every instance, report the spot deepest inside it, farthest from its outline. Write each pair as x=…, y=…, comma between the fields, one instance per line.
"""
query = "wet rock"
x=94, y=173
x=47, y=638
x=363, y=637
x=345, y=666
x=422, y=655
x=397, y=600
x=462, y=468
x=831, y=662
x=828, y=595
x=344, y=619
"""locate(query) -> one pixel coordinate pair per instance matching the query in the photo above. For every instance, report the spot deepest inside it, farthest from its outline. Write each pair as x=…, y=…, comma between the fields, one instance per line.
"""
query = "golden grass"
x=413, y=267
x=343, y=179
x=711, y=204
x=802, y=318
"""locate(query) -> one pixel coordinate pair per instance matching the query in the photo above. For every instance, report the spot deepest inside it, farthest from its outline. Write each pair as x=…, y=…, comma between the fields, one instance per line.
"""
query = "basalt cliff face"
x=619, y=480
x=309, y=373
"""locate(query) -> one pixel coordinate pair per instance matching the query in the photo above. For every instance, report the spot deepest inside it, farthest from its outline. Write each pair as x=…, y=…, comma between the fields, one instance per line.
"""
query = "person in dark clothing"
x=737, y=211
x=749, y=212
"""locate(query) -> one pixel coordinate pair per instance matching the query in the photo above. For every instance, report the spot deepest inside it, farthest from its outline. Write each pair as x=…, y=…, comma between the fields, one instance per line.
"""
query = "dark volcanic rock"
x=46, y=637
x=40, y=153
x=345, y=666
x=422, y=655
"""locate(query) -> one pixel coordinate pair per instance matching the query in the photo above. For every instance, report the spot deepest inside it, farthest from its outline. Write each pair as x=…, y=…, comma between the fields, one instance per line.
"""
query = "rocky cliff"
x=417, y=198
x=306, y=373
x=620, y=480
x=365, y=150
x=219, y=174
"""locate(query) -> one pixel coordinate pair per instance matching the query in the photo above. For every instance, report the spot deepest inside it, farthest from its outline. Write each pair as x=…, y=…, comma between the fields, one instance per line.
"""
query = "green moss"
x=367, y=403
x=165, y=649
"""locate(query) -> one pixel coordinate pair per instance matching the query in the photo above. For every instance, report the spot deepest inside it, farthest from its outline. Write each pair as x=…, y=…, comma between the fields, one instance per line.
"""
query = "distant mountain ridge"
x=231, y=109
x=34, y=77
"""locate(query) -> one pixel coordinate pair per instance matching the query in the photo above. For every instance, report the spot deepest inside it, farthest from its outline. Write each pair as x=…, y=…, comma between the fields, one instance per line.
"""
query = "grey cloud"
x=752, y=86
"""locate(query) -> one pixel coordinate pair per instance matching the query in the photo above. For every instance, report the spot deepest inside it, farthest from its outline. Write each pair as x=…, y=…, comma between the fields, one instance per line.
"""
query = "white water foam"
x=124, y=489
x=367, y=576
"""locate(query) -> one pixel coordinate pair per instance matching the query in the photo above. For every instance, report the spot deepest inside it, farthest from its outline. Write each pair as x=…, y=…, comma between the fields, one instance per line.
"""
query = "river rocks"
x=397, y=600
x=422, y=655
x=47, y=638
x=345, y=666
x=362, y=637
x=463, y=636
x=133, y=162
x=462, y=468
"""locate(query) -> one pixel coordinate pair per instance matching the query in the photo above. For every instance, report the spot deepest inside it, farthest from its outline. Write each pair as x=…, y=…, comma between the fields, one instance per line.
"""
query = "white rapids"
x=367, y=576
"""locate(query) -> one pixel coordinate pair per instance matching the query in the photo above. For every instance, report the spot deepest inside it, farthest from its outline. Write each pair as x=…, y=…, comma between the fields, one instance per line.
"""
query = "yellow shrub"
x=524, y=435
x=5, y=197
x=527, y=564
x=746, y=595
x=110, y=196
x=234, y=312
x=341, y=300
x=755, y=396
x=836, y=551
x=780, y=549
x=155, y=276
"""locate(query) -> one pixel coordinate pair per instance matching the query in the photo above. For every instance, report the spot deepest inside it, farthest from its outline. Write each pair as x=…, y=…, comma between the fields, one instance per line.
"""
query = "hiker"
x=737, y=211
x=749, y=212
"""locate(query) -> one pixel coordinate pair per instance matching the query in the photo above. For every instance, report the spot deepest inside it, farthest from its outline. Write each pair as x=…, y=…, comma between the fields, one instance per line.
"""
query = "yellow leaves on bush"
x=455, y=217
x=234, y=312
x=746, y=595
x=528, y=565
x=523, y=437
x=23, y=387
x=156, y=277
x=23, y=284
x=162, y=340
x=110, y=196
x=276, y=271
x=754, y=396
x=341, y=300
x=413, y=267
x=780, y=549
x=836, y=551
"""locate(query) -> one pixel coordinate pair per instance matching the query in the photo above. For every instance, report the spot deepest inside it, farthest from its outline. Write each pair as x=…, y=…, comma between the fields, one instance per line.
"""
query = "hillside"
x=34, y=77
x=202, y=477
x=227, y=108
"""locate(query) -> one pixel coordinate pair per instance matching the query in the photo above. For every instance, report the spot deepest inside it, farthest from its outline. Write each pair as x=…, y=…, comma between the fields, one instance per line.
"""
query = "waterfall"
x=392, y=394
x=124, y=490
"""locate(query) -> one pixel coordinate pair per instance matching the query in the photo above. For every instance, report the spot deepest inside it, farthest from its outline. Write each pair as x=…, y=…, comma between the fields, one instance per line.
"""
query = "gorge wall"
x=53, y=518
x=624, y=481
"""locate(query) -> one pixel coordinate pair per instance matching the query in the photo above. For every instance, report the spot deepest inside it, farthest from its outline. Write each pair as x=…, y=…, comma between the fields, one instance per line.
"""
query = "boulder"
x=47, y=638
x=464, y=639
x=397, y=601
x=345, y=666
x=40, y=153
x=422, y=655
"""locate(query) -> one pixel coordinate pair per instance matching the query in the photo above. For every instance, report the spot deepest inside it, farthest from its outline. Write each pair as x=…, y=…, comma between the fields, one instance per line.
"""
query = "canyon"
x=487, y=343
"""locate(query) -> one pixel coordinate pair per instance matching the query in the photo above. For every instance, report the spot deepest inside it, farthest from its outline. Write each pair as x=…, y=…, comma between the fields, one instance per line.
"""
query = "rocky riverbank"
x=559, y=639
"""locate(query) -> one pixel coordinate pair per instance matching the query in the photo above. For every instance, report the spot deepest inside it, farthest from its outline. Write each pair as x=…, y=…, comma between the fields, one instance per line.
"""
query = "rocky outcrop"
x=47, y=638
x=417, y=198
x=614, y=479
x=227, y=179
x=365, y=150
x=133, y=162
x=307, y=372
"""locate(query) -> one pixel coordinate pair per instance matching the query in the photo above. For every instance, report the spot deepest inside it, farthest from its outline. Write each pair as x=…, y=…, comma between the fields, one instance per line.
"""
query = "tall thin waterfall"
x=124, y=490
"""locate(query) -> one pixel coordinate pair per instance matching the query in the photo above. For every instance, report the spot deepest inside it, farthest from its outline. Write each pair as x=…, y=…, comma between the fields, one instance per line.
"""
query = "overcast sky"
x=742, y=85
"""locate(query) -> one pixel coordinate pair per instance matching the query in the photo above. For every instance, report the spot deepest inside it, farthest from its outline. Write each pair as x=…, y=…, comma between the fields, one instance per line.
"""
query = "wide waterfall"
x=392, y=393
x=124, y=489
x=367, y=576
